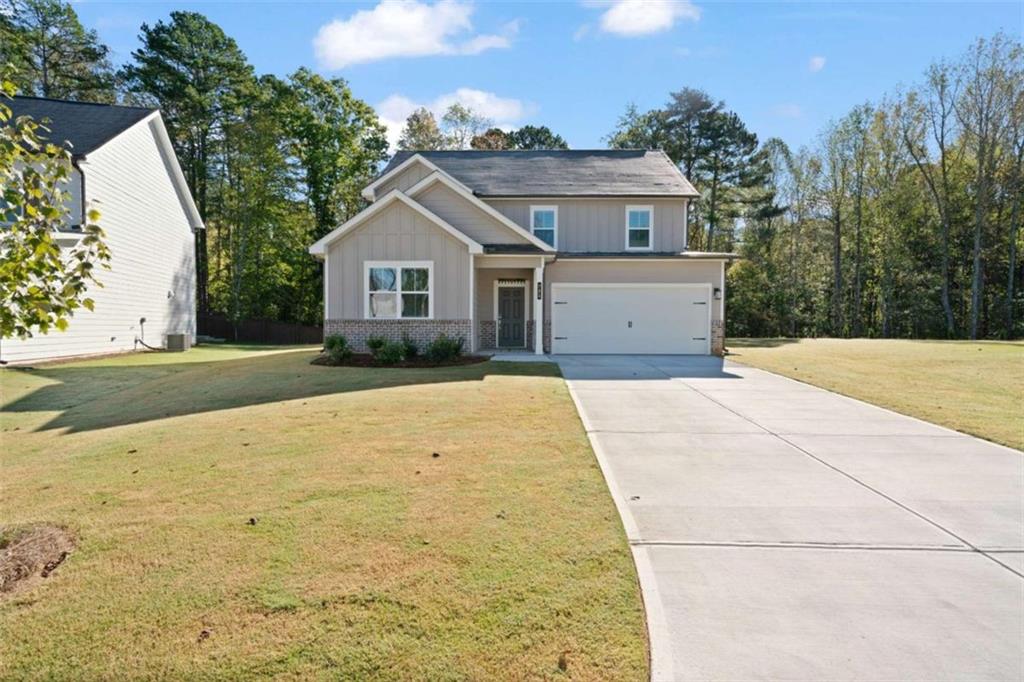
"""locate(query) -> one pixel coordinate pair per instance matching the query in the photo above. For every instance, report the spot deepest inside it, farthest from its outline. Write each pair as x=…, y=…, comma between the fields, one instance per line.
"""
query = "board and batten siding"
x=404, y=180
x=470, y=219
x=398, y=233
x=152, y=252
x=599, y=225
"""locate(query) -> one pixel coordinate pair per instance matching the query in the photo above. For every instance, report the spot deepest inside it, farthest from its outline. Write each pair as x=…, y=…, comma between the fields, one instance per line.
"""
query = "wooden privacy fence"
x=258, y=331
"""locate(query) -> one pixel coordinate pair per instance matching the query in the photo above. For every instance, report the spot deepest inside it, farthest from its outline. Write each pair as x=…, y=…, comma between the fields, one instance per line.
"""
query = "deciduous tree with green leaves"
x=421, y=132
x=42, y=284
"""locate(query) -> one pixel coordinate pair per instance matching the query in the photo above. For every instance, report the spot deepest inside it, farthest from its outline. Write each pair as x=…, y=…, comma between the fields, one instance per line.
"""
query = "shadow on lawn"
x=97, y=397
x=731, y=343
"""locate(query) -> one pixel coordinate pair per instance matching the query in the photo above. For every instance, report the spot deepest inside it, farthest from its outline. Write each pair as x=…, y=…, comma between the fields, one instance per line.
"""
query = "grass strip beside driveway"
x=970, y=386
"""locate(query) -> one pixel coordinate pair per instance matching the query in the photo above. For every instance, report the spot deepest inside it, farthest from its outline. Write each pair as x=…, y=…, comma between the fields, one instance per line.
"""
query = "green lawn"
x=370, y=557
x=974, y=387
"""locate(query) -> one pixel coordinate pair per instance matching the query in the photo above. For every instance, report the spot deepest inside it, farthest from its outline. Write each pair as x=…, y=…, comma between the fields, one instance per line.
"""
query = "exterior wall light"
x=718, y=294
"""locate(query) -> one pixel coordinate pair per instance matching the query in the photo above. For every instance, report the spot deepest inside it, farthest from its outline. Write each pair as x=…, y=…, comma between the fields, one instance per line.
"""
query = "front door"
x=511, y=317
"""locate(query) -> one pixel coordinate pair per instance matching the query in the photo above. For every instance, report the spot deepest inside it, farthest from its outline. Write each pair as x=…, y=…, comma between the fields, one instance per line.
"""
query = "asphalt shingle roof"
x=553, y=173
x=84, y=125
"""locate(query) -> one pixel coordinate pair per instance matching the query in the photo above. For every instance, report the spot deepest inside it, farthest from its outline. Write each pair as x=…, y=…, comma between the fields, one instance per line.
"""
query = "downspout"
x=75, y=160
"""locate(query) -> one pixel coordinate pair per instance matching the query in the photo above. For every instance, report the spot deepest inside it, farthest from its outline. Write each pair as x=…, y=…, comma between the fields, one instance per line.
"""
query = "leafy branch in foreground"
x=41, y=283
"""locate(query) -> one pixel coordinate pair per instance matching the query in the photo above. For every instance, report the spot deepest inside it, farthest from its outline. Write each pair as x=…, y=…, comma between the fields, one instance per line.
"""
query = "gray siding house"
x=125, y=167
x=549, y=251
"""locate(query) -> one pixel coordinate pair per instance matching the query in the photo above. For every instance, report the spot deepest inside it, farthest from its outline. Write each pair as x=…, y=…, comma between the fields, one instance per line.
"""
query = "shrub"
x=337, y=348
x=375, y=343
x=444, y=348
x=389, y=353
x=411, y=349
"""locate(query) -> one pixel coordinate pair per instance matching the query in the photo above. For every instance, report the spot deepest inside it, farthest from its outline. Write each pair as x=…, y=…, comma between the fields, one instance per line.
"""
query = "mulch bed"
x=366, y=360
x=30, y=554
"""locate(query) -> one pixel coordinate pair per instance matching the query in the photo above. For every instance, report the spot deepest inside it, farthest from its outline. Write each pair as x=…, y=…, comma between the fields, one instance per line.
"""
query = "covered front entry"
x=631, y=318
x=511, y=308
x=508, y=303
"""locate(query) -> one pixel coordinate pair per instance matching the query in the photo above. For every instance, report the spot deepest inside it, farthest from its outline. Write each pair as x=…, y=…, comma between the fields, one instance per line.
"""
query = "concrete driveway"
x=782, y=531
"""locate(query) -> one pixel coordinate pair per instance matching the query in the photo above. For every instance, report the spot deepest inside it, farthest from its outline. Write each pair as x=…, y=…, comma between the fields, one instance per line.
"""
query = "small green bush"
x=411, y=349
x=391, y=353
x=444, y=348
x=375, y=343
x=337, y=348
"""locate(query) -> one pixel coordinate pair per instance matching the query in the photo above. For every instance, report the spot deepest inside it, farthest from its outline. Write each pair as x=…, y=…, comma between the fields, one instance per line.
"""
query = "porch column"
x=472, y=303
x=538, y=309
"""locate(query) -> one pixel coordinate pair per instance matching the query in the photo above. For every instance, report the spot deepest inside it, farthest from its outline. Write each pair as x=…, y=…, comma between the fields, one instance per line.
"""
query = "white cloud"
x=632, y=18
x=405, y=28
x=506, y=112
x=816, y=64
x=788, y=110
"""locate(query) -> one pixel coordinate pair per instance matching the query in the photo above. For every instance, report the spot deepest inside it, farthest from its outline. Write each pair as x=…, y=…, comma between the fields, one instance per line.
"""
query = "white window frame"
x=398, y=265
x=650, y=227
x=553, y=209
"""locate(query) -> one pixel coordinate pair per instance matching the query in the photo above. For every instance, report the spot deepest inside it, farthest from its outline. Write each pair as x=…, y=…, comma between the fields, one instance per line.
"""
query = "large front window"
x=544, y=223
x=638, y=228
x=396, y=290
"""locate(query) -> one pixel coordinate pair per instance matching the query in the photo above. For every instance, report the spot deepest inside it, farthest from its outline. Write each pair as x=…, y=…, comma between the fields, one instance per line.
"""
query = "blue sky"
x=786, y=68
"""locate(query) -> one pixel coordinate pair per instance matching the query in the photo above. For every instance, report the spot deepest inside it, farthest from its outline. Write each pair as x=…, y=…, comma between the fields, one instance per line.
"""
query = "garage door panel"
x=616, y=318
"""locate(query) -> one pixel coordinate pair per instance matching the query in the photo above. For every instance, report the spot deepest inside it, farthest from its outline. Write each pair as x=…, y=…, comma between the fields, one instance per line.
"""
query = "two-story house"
x=125, y=167
x=551, y=251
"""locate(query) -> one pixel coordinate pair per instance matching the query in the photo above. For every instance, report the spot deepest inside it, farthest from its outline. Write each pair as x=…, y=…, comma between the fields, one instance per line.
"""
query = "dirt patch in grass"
x=366, y=360
x=29, y=554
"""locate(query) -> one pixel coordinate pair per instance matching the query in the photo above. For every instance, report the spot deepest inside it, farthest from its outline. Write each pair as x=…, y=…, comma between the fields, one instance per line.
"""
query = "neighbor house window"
x=399, y=290
x=639, y=221
x=544, y=223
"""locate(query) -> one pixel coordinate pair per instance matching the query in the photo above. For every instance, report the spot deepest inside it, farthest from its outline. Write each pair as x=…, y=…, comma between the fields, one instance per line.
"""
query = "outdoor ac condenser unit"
x=179, y=342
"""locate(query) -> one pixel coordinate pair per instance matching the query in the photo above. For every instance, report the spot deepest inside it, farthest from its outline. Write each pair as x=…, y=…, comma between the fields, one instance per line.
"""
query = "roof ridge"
x=522, y=151
x=94, y=104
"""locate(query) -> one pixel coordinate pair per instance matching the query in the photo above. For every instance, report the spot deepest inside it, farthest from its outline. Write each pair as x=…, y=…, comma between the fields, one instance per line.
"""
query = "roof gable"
x=461, y=193
x=319, y=248
x=83, y=126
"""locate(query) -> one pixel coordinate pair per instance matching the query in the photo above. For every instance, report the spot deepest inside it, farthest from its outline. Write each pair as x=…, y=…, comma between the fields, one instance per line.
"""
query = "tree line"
x=901, y=220
x=273, y=163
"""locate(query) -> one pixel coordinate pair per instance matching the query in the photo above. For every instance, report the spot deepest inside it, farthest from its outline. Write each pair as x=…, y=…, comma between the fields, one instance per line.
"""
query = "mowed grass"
x=370, y=558
x=974, y=387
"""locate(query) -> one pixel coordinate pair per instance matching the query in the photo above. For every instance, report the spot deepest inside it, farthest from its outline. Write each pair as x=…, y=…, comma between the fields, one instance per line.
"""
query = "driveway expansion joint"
x=856, y=480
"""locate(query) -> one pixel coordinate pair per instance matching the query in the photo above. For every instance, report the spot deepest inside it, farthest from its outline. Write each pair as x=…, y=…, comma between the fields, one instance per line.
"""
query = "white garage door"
x=631, y=318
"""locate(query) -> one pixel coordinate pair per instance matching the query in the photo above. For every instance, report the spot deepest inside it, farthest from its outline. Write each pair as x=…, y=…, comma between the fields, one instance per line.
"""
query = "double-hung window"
x=544, y=224
x=399, y=290
x=639, y=224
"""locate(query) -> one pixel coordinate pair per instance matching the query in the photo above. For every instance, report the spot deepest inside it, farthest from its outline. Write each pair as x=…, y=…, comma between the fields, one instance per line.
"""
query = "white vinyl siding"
x=152, y=249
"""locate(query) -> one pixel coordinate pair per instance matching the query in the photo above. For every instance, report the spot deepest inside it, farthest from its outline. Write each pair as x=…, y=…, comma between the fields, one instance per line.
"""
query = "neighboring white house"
x=125, y=168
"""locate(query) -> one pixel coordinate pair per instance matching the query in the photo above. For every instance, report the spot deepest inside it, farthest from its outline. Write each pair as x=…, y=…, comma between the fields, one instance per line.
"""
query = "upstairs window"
x=544, y=223
x=398, y=290
x=639, y=223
